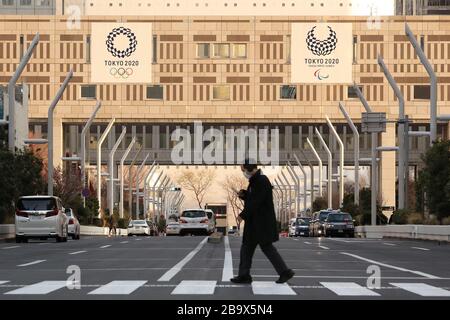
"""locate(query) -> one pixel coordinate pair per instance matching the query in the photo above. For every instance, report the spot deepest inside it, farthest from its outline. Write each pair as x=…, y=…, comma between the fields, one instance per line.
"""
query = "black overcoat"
x=259, y=213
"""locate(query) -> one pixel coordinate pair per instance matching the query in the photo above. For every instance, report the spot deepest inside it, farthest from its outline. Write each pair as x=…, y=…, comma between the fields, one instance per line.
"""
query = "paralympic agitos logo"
x=121, y=68
x=321, y=47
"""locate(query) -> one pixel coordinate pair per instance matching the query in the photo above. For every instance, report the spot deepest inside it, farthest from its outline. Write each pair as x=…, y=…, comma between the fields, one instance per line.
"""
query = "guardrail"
x=419, y=232
x=7, y=231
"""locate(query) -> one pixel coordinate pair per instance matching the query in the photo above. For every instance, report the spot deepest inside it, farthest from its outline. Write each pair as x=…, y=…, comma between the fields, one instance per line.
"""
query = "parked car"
x=195, y=221
x=172, y=228
x=302, y=227
x=316, y=227
x=339, y=223
x=292, y=226
x=74, y=225
x=138, y=227
x=40, y=217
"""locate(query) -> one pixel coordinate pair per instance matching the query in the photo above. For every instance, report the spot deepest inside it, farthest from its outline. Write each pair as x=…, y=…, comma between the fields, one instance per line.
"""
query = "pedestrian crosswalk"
x=208, y=288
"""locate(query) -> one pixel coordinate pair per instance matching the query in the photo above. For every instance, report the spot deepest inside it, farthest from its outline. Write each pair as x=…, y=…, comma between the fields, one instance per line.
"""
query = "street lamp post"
x=130, y=181
x=12, y=93
x=288, y=185
x=305, y=184
x=356, y=151
x=341, y=161
x=154, y=194
x=329, y=169
x=122, y=161
x=84, y=132
x=433, y=82
x=320, y=165
x=99, y=163
x=402, y=137
x=295, y=177
x=311, y=178
x=110, y=196
x=147, y=179
x=51, y=109
x=283, y=197
x=138, y=172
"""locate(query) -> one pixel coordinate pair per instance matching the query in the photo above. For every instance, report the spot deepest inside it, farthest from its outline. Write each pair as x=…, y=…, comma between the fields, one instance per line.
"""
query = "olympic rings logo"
x=121, y=72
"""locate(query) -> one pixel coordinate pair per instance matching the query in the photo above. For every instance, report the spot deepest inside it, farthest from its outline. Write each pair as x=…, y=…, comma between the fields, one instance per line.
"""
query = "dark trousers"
x=247, y=252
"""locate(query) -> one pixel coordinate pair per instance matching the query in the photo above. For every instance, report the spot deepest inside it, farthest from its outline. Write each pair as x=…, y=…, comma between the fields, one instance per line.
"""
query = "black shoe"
x=242, y=279
x=285, y=276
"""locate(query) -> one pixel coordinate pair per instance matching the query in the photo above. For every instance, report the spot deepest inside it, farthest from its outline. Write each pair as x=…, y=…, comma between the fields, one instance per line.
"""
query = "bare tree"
x=197, y=181
x=232, y=184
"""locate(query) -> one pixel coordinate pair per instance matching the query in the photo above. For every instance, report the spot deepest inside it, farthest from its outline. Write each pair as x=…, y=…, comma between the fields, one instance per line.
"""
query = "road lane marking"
x=119, y=287
x=177, y=268
x=227, y=272
x=124, y=242
x=272, y=288
x=348, y=289
x=419, y=248
x=3, y=282
x=389, y=244
x=391, y=266
x=306, y=242
x=195, y=287
x=43, y=287
x=107, y=246
x=30, y=263
x=343, y=277
x=8, y=248
x=77, y=252
x=422, y=289
x=323, y=247
x=296, y=240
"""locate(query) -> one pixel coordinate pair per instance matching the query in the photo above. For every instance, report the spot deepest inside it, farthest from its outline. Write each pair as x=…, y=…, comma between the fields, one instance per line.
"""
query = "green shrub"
x=400, y=217
x=431, y=220
x=446, y=221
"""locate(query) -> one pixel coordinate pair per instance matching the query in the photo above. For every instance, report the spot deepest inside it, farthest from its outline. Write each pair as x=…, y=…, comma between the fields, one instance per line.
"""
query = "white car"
x=74, y=225
x=292, y=227
x=138, y=227
x=40, y=217
x=212, y=220
x=195, y=221
x=172, y=228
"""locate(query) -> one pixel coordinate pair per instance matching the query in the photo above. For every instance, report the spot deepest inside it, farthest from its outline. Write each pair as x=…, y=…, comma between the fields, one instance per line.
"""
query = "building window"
x=155, y=92
x=288, y=92
x=355, y=42
x=8, y=2
x=88, y=49
x=221, y=92
x=221, y=50
x=25, y=2
x=88, y=92
x=351, y=93
x=203, y=50
x=422, y=92
x=155, y=49
x=288, y=49
x=42, y=3
x=239, y=50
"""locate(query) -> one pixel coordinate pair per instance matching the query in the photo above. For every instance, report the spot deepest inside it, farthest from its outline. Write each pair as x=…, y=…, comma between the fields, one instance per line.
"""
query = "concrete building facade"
x=228, y=65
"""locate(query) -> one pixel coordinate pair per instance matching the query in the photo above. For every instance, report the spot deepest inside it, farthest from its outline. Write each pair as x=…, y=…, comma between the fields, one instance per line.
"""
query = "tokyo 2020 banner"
x=121, y=53
x=321, y=53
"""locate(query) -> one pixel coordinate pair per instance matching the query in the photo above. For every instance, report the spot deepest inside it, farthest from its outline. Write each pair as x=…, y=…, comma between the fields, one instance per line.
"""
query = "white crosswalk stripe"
x=3, y=282
x=40, y=288
x=271, y=288
x=119, y=287
x=195, y=287
x=348, y=289
x=423, y=289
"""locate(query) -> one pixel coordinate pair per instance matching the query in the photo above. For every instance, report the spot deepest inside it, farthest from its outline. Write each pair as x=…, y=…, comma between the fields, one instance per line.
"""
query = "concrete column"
x=387, y=188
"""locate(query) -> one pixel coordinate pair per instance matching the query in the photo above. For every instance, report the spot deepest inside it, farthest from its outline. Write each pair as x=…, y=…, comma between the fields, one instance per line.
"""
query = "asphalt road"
x=190, y=268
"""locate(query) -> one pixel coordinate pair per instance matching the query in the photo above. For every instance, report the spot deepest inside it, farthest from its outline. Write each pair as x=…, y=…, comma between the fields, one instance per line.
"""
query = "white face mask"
x=247, y=175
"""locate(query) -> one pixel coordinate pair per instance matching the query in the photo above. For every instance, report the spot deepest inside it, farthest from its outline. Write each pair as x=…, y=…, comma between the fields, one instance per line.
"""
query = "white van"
x=40, y=217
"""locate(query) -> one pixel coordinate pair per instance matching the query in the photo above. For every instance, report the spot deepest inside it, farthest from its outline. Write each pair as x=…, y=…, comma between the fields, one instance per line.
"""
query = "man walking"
x=260, y=225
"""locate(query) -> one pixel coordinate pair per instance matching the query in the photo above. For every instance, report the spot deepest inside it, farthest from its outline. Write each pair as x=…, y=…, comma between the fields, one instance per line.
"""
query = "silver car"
x=195, y=221
x=74, y=225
